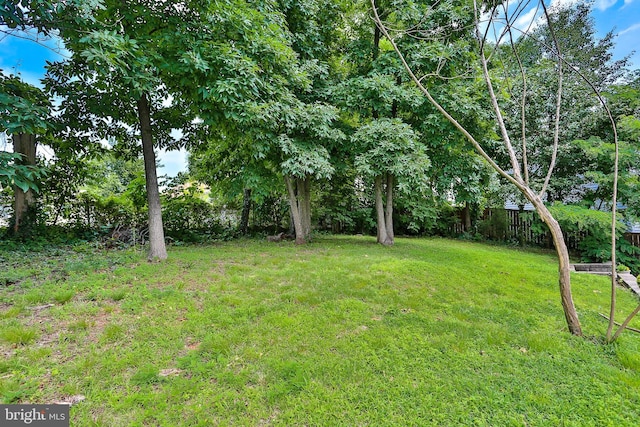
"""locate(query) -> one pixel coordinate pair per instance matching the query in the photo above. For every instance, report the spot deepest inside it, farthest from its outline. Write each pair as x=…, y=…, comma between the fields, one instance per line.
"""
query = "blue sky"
x=28, y=58
x=624, y=17
x=621, y=16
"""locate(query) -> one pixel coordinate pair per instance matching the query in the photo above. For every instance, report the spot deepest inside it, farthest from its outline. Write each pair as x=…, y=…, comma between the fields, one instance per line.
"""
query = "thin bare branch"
x=625, y=323
x=34, y=39
x=523, y=103
x=515, y=165
x=556, y=125
x=619, y=324
x=614, y=210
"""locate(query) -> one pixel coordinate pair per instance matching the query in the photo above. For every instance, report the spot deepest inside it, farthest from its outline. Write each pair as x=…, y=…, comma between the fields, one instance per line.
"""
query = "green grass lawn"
x=339, y=332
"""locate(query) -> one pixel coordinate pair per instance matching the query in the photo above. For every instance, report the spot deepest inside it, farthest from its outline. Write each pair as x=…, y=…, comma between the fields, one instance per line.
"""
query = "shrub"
x=495, y=227
x=446, y=219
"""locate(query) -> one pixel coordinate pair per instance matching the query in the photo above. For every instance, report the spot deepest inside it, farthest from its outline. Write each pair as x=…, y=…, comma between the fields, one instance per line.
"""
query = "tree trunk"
x=87, y=212
x=383, y=236
x=466, y=214
x=568, y=307
x=302, y=202
x=388, y=211
x=295, y=211
x=157, y=247
x=292, y=225
x=305, y=214
x=25, y=144
x=246, y=210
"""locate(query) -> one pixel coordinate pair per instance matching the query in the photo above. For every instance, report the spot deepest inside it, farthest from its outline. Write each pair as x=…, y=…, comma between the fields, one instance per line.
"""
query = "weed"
x=11, y=312
x=118, y=294
x=64, y=297
x=79, y=325
x=148, y=374
x=112, y=333
x=18, y=335
x=35, y=297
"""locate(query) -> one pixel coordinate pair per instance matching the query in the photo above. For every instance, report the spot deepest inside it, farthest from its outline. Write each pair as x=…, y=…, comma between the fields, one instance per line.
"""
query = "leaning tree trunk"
x=246, y=210
x=157, y=247
x=515, y=175
x=25, y=144
x=564, y=277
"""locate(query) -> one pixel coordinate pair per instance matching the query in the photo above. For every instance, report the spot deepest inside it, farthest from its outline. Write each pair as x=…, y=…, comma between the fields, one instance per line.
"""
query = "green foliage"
x=305, y=138
x=592, y=231
x=304, y=159
x=271, y=212
x=12, y=172
x=23, y=108
x=42, y=15
x=391, y=146
x=189, y=215
x=95, y=193
x=447, y=218
x=495, y=227
x=415, y=215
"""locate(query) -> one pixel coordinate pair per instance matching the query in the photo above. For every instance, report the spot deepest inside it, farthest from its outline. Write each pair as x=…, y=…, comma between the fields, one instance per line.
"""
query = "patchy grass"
x=340, y=332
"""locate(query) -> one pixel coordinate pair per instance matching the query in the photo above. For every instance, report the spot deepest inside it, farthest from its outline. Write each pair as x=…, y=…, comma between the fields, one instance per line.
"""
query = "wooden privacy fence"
x=509, y=224
x=633, y=238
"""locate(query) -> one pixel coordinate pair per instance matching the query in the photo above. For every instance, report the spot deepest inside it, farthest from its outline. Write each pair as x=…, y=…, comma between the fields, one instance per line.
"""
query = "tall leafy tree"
x=281, y=110
x=305, y=157
x=377, y=87
x=110, y=56
x=392, y=154
x=306, y=133
x=24, y=114
x=158, y=66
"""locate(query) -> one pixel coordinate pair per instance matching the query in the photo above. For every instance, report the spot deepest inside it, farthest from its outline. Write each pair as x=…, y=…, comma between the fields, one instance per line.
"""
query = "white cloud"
x=172, y=162
x=528, y=21
x=630, y=29
x=604, y=4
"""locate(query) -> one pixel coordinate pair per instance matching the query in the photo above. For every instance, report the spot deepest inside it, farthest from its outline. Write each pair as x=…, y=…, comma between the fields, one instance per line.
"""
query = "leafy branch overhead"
x=23, y=108
x=392, y=146
x=305, y=138
x=12, y=172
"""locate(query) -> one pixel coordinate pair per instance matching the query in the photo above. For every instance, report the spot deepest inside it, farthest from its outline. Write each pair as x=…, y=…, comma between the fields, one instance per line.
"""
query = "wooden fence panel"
x=633, y=238
x=518, y=227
